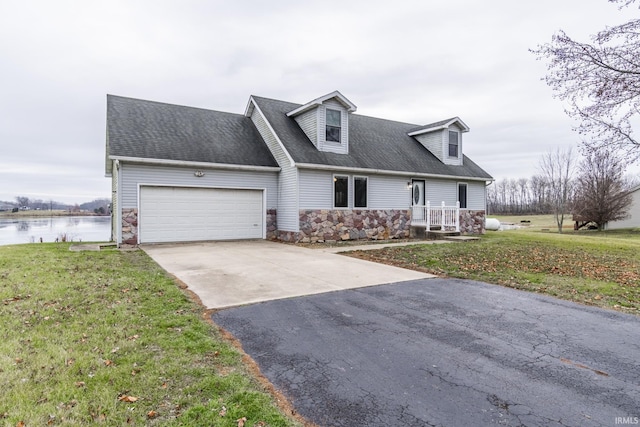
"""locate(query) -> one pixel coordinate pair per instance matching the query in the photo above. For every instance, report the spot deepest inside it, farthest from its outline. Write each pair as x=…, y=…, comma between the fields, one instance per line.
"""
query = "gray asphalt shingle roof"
x=373, y=144
x=154, y=130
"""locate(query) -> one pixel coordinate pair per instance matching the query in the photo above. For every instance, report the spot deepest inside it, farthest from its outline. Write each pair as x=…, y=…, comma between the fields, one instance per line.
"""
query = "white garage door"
x=173, y=214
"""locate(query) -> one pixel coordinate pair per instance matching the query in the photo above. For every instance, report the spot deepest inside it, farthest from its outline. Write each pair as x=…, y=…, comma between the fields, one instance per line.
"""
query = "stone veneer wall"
x=349, y=224
x=272, y=224
x=324, y=224
x=130, y=226
x=472, y=222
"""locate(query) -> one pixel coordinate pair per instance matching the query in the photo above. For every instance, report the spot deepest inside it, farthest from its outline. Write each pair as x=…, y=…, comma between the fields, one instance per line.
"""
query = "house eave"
x=388, y=172
x=186, y=163
x=428, y=129
x=350, y=106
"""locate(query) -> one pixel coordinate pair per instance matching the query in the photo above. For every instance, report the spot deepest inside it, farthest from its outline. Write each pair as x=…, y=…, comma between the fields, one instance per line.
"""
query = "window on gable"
x=340, y=191
x=333, y=125
x=454, y=143
x=359, y=191
x=462, y=195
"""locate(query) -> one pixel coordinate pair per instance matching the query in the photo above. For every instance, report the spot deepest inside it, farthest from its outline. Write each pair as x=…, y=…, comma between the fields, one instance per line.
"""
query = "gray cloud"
x=412, y=61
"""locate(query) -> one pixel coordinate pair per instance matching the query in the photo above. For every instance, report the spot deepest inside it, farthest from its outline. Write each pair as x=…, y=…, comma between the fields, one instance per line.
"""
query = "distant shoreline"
x=43, y=213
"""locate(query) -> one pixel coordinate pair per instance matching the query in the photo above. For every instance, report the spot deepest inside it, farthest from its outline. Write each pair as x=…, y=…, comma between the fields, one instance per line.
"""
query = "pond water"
x=74, y=228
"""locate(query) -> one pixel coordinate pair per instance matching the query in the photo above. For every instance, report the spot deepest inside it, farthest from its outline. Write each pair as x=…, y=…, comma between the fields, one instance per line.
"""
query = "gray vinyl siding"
x=133, y=174
x=445, y=146
x=308, y=122
x=333, y=147
x=476, y=199
x=383, y=192
x=438, y=191
x=115, y=206
x=316, y=189
x=434, y=142
x=389, y=192
x=287, y=204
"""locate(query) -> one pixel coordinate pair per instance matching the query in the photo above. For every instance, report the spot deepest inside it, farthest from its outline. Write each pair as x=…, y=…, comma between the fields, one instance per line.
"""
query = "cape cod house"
x=311, y=172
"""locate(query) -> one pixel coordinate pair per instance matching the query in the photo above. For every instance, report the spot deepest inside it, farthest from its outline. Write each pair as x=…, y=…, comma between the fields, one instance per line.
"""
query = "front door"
x=418, y=198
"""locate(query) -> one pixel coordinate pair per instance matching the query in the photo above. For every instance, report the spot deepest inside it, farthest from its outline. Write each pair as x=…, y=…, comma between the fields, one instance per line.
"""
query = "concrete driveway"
x=445, y=352
x=225, y=274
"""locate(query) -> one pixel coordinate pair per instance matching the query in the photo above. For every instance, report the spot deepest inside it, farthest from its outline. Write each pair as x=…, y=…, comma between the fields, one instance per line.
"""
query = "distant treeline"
x=522, y=196
x=100, y=206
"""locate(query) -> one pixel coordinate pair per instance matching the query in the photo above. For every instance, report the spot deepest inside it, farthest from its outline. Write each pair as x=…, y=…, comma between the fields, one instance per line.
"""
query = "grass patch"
x=594, y=268
x=108, y=338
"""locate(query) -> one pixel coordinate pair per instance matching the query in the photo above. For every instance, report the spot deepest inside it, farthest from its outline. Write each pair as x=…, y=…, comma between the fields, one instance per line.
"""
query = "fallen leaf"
x=241, y=421
x=152, y=414
x=108, y=362
x=126, y=398
x=164, y=385
x=80, y=384
x=223, y=412
x=20, y=424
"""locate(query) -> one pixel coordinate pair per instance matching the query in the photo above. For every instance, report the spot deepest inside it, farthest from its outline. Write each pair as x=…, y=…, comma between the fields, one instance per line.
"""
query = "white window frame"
x=458, y=144
x=334, y=180
x=466, y=195
x=326, y=125
x=366, y=179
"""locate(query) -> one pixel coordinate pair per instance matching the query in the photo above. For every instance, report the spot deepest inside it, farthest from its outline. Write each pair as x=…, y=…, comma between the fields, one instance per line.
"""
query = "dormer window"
x=454, y=143
x=333, y=125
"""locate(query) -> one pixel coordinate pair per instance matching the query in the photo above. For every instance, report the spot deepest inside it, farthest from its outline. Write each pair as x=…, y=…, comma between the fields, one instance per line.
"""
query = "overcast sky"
x=413, y=61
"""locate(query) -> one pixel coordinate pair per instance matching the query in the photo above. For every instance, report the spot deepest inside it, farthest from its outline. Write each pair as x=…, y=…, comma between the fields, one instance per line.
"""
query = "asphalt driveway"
x=225, y=274
x=445, y=352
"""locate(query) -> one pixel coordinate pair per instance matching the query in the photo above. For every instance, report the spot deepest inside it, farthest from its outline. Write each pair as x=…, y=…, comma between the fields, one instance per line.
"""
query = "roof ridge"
x=148, y=101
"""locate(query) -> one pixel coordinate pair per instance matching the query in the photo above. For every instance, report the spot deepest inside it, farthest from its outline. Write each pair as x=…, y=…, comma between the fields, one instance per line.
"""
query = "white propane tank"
x=492, y=224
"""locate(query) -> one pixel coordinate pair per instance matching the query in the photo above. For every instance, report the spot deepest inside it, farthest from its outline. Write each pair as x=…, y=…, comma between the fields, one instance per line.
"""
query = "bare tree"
x=22, y=201
x=558, y=167
x=600, y=82
x=601, y=193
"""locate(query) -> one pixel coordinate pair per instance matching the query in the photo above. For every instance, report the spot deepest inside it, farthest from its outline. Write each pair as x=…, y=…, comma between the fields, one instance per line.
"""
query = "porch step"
x=442, y=234
x=461, y=238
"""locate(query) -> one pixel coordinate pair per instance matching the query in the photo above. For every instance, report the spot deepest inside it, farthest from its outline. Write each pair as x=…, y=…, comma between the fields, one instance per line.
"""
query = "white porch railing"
x=441, y=217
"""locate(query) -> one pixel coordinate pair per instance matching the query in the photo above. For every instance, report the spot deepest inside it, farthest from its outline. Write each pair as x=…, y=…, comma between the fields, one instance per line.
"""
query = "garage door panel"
x=174, y=214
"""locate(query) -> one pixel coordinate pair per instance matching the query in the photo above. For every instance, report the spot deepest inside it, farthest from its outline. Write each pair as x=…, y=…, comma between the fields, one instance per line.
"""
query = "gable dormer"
x=325, y=121
x=443, y=139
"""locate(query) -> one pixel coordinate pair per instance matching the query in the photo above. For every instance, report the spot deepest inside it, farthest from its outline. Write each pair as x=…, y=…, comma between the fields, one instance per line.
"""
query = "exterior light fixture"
x=199, y=174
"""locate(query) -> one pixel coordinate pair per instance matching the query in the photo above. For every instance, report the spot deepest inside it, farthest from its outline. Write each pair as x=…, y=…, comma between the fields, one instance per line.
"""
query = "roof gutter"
x=186, y=163
x=386, y=172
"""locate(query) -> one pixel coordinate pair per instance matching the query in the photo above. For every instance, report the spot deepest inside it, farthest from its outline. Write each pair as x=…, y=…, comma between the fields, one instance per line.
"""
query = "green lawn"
x=107, y=338
x=590, y=267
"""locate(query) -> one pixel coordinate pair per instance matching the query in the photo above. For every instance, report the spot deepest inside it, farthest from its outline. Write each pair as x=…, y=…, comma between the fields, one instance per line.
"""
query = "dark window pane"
x=453, y=144
x=340, y=191
x=462, y=195
x=360, y=192
x=333, y=134
x=333, y=125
